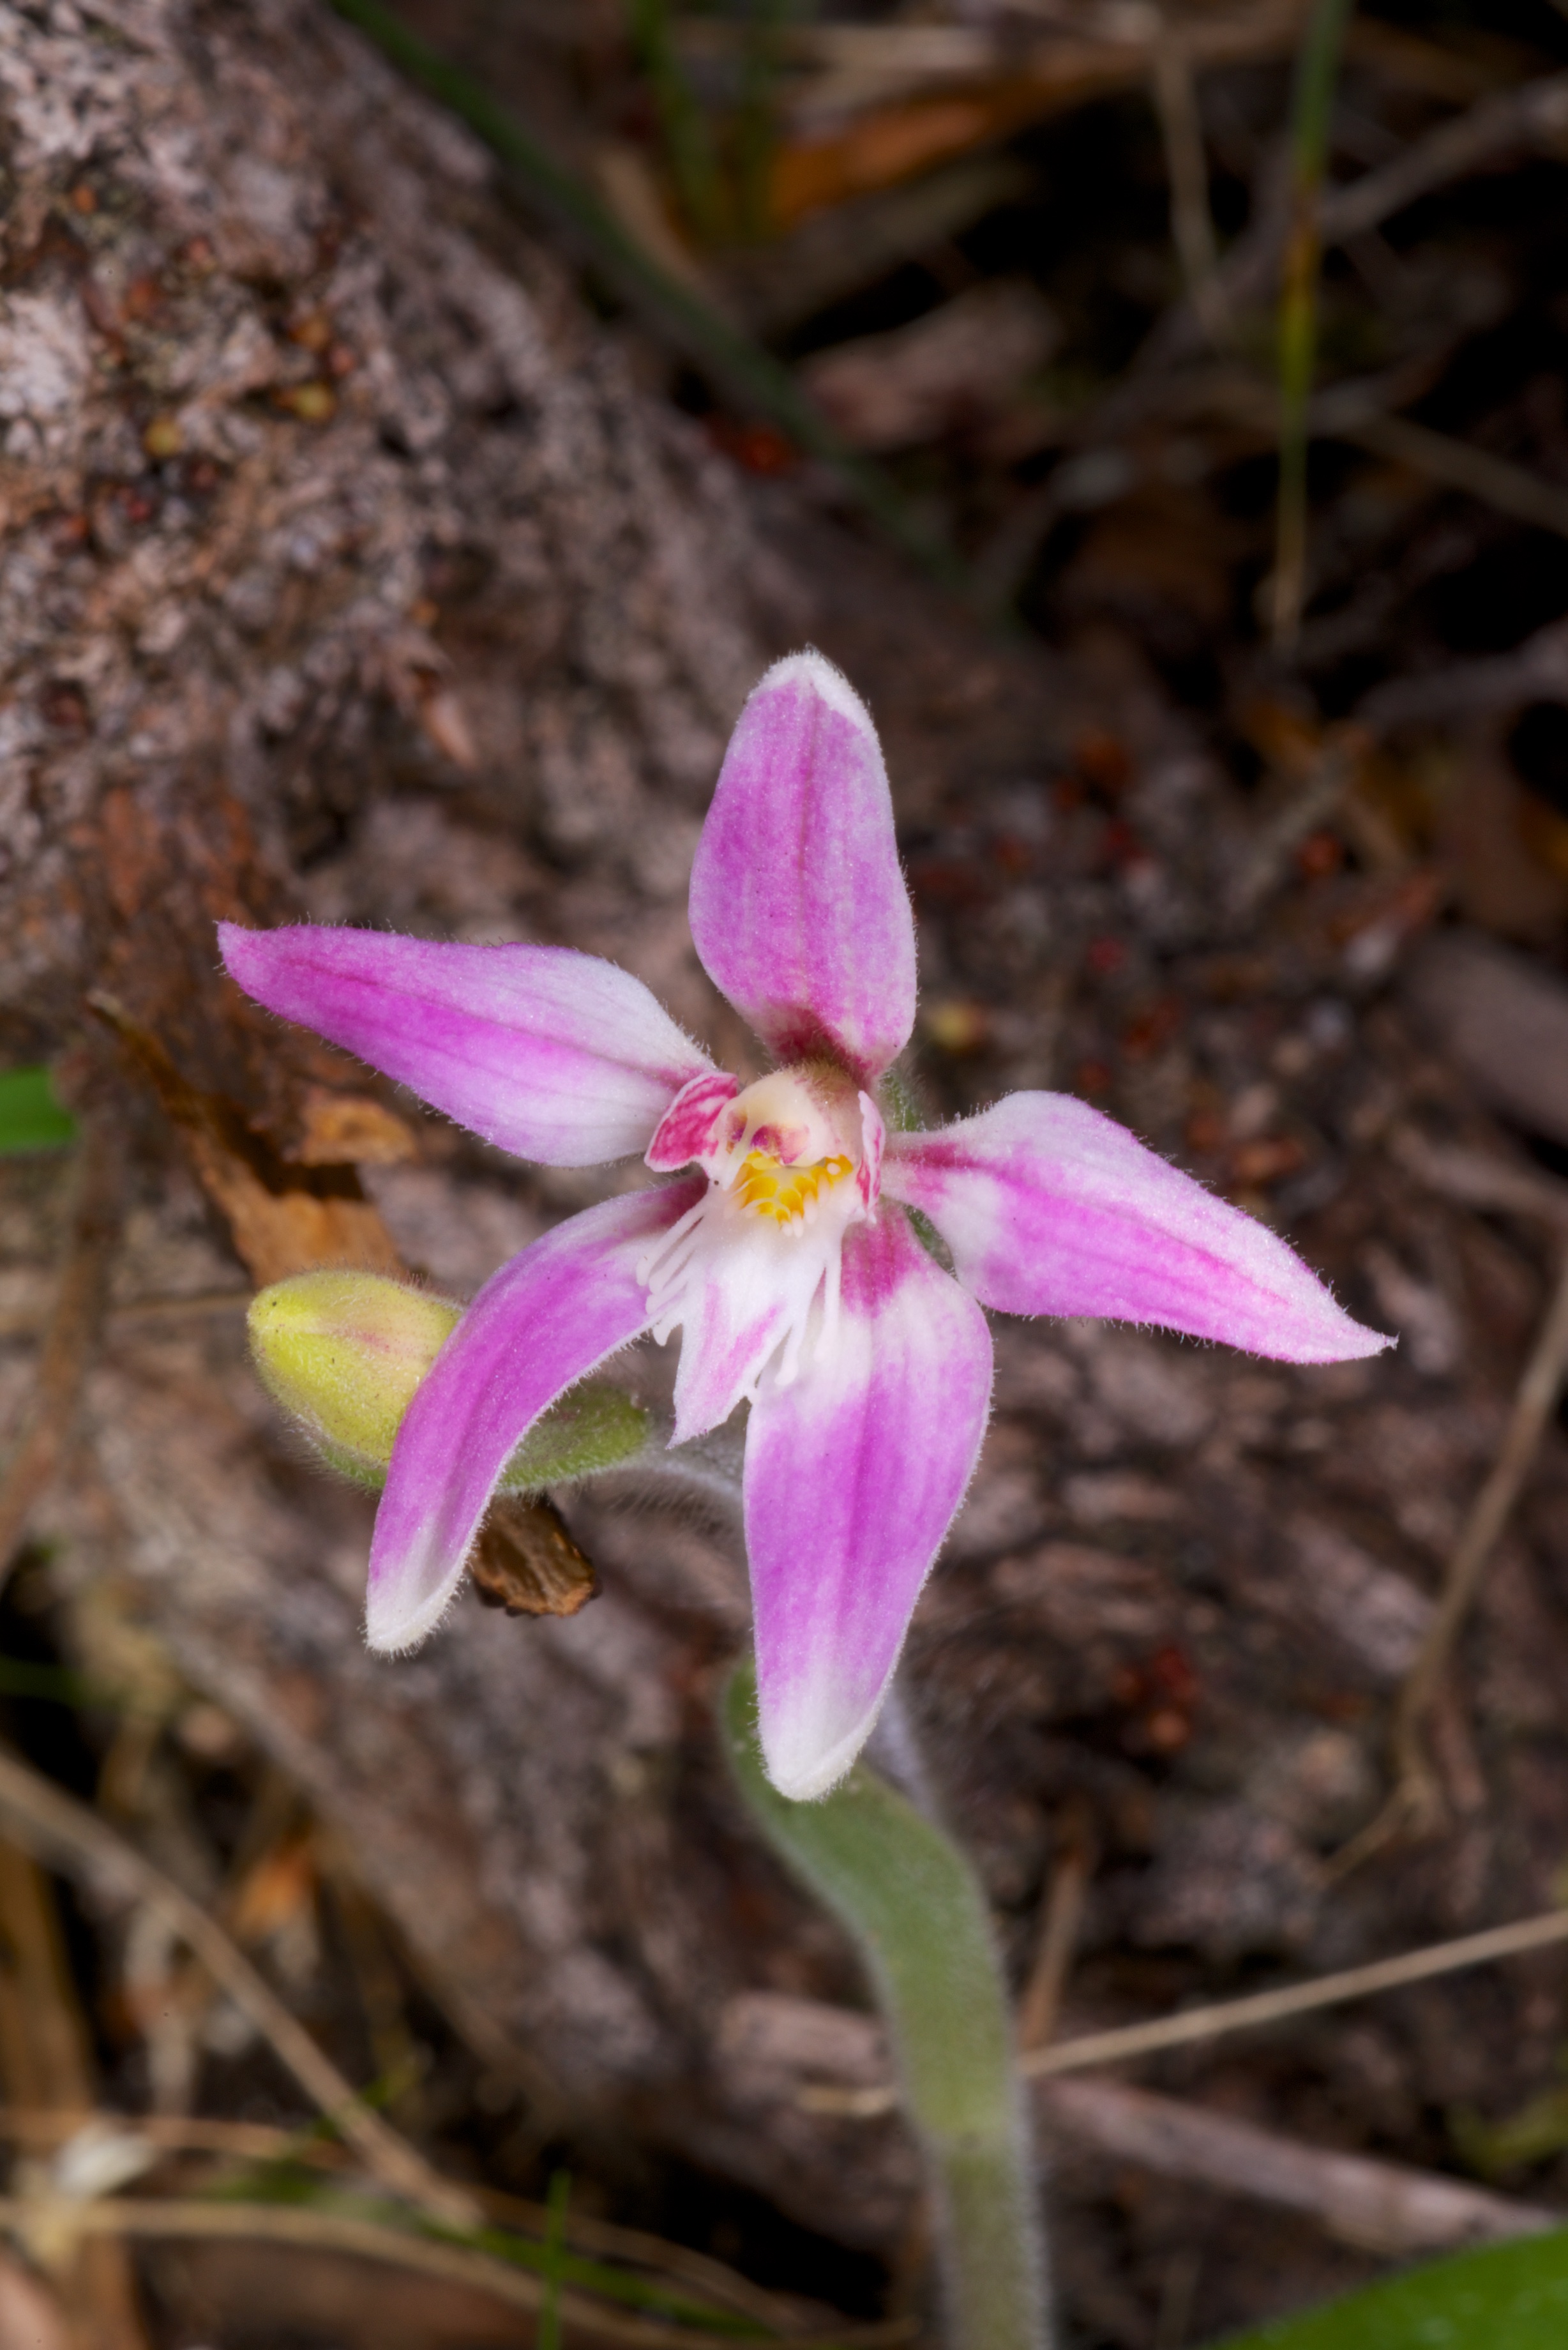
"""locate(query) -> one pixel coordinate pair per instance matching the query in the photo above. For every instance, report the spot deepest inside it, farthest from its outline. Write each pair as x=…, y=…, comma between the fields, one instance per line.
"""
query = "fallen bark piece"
x=1383, y=2206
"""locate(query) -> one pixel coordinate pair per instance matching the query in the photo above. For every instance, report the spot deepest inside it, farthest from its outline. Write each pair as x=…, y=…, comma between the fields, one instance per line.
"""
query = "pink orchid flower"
x=782, y=1249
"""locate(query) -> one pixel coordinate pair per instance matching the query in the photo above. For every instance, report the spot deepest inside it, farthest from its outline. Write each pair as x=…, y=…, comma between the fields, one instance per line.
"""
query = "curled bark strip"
x=68, y=1342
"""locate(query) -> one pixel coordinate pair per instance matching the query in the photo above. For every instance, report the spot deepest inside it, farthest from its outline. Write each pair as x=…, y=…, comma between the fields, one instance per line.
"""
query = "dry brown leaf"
x=283, y=1218
x=888, y=143
x=350, y=1130
x=527, y=1562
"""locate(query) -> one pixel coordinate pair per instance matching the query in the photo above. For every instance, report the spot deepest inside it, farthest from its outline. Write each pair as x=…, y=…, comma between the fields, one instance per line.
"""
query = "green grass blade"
x=548, y=2336
x=30, y=1116
x=731, y=358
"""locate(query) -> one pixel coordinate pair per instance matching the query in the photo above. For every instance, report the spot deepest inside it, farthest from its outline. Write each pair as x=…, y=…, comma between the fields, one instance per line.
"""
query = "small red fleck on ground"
x=1103, y=956
x=63, y=704
x=1151, y=1029
x=1319, y=855
x=1103, y=761
x=755, y=448
x=141, y=298
x=1122, y=845
x=1092, y=1077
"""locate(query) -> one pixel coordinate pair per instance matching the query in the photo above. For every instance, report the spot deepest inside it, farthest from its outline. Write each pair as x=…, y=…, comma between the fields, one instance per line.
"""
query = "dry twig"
x=1535, y=671
x=1417, y=1802
x=1477, y=1178
x=1041, y=2001
x=1191, y=223
x=73, y=1326
x=46, y=2060
x=307, y=2230
x=1535, y=115
x=55, y=1829
x=260, y=2143
x=1385, y=2207
x=1195, y=2025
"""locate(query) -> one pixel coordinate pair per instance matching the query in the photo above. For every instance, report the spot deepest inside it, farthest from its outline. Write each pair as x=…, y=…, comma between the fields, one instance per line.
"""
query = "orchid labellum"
x=776, y=1239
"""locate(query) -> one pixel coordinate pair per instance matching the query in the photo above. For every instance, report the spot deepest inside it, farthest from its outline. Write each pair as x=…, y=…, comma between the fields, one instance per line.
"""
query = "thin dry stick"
x=54, y=1828
x=1196, y=2024
x=1521, y=119
x=1511, y=489
x=1416, y=1801
x=72, y=1328
x=1191, y=221
x=1534, y=115
x=260, y=2143
x=1041, y=2001
x=1385, y=2207
x=332, y=2231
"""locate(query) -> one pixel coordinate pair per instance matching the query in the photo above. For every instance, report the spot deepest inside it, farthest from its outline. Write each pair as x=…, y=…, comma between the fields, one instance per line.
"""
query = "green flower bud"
x=344, y=1354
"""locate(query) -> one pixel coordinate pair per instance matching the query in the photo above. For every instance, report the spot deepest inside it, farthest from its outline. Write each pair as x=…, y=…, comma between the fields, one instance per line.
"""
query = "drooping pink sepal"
x=799, y=911
x=1049, y=1207
x=852, y=1478
x=687, y=1127
x=537, y=1326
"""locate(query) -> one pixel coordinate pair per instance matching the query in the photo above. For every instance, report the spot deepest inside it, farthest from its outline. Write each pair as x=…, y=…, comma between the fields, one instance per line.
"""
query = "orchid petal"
x=853, y=1475
x=740, y=1288
x=1050, y=1208
x=552, y=1055
x=799, y=911
x=873, y=1146
x=686, y=1129
x=536, y=1328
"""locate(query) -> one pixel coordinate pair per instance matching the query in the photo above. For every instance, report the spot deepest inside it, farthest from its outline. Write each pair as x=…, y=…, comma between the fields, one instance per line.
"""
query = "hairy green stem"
x=909, y=1899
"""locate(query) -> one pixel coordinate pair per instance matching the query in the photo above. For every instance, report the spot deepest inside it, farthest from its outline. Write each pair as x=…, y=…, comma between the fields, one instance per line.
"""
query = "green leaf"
x=1508, y=2297
x=30, y=1116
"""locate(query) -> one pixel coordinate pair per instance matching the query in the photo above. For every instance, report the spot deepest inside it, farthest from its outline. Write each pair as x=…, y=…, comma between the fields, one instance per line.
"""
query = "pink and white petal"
x=748, y=1290
x=538, y=1325
x=873, y=1146
x=852, y=1478
x=1049, y=1207
x=555, y=1055
x=799, y=906
x=686, y=1129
